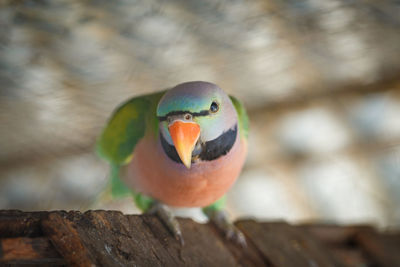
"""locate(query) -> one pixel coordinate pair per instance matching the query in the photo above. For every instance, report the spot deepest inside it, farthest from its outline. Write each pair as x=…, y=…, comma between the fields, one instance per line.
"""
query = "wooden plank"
x=14, y=223
x=109, y=238
x=341, y=242
x=113, y=239
x=383, y=249
x=285, y=245
x=350, y=257
x=333, y=234
x=144, y=240
x=66, y=240
x=23, y=250
x=245, y=256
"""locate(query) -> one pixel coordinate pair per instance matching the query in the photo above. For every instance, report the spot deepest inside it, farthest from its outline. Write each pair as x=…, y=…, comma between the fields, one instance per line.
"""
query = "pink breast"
x=153, y=173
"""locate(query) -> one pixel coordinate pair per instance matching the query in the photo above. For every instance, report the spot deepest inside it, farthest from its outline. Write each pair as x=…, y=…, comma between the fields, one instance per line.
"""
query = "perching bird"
x=182, y=147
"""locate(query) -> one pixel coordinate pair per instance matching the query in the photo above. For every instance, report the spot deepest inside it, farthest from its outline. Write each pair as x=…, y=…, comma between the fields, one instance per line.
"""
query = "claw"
x=220, y=219
x=168, y=219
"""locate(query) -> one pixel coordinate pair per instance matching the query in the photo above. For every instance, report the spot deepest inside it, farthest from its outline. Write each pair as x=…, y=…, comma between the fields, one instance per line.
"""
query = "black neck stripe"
x=209, y=150
x=181, y=112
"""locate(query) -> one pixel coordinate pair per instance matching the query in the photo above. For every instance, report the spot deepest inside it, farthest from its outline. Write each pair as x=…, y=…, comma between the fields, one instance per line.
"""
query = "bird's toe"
x=231, y=232
x=168, y=219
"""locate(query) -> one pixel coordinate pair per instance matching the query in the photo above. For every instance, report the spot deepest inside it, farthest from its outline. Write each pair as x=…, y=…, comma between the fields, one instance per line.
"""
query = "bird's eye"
x=188, y=117
x=214, y=107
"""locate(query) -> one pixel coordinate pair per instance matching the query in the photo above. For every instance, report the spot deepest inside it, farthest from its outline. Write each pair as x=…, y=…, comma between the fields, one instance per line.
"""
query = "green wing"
x=127, y=125
x=242, y=117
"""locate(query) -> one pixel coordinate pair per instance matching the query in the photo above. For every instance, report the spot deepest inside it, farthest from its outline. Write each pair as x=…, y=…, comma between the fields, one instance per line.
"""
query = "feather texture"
x=127, y=126
x=243, y=119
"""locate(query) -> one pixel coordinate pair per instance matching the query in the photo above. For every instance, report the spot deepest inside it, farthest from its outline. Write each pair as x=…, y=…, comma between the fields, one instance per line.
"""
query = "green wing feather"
x=242, y=117
x=127, y=125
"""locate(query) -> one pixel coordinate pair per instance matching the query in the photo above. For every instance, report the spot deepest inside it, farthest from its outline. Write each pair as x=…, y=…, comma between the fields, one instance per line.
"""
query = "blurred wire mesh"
x=320, y=80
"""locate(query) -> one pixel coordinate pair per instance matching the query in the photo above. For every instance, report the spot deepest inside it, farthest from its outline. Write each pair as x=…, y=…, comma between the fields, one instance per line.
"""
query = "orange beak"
x=184, y=136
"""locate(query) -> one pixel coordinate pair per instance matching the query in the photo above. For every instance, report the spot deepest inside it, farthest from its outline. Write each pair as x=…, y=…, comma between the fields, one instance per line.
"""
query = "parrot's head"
x=197, y=122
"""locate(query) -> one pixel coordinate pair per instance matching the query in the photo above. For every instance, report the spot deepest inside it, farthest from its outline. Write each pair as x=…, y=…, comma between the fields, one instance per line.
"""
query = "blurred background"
x=320, y=79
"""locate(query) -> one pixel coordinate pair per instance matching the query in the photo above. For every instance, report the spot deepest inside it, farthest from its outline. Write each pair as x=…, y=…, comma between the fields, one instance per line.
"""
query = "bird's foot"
x=168, y=219
x=220, y=219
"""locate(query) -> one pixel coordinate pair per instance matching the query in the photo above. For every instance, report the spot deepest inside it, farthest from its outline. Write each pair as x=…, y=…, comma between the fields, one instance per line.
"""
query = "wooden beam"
x=110, y=238
x=24, y=250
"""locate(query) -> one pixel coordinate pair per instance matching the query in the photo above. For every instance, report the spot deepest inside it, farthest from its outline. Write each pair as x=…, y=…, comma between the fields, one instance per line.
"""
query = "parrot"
x=181, y=147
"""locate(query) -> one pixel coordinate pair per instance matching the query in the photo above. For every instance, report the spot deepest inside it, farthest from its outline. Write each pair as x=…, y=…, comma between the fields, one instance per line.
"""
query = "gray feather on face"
x=196, y=98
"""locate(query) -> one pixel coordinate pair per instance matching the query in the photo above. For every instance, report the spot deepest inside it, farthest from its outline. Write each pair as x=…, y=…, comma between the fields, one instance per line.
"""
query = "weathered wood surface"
x=109, y=238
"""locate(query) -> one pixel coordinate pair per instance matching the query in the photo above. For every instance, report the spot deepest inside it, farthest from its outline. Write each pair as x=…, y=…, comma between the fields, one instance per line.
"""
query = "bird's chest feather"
x=152, y=172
